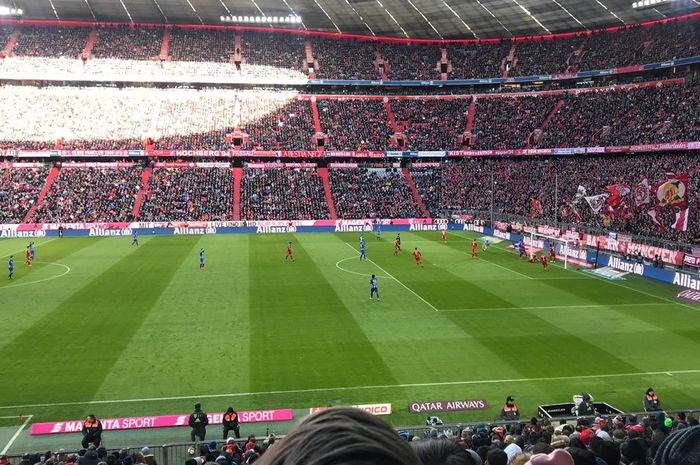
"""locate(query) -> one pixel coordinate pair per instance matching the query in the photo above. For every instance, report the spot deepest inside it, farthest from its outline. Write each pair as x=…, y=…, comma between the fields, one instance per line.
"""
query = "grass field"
x=97, y=326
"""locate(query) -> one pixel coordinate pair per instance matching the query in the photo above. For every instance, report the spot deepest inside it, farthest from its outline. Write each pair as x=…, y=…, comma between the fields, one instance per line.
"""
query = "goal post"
x=543, y=242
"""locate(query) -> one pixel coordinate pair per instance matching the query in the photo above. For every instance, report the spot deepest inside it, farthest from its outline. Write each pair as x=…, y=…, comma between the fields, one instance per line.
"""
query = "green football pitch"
x=97, y=326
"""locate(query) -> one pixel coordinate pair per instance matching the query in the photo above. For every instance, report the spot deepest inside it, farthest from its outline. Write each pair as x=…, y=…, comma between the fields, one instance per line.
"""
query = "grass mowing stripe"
x=95, y=325
x=302, y=331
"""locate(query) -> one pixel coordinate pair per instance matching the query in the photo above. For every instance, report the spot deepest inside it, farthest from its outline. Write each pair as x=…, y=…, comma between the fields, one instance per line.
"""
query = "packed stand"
x=540, y=56
x=466, y=186
x=189, y=194
x=128, y=42
x=5, y=33
x=355, y=124
x=644, y=115
x=283, y=194
x=372, y=193
x=507, y=123
x=90, y=195
x=432, y=124
x=683, y=42
x=41, y=41
x=285, y=51
x=477, y=60
x=19, y=190
x=345, y=58
x=427, y=180
x=411, y=62
x=215, y=45
x=286, y=127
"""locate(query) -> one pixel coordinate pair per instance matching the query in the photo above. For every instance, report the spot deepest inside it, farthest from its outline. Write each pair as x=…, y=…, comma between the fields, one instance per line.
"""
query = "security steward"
x=651, y=401
x=198, y=422
x=230, y=423
x=510, y=411
x=92, y=432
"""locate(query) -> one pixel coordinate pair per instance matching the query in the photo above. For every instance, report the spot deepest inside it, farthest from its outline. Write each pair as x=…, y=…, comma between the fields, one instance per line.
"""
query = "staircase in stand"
x=416, y=195
x=443, y=61
x=92, y=38
x=165, y=45
x=470, y=123
x=323, y=173
x=392, y=118
x=508, y=59
x=145, y=177
x=317, y=118
x=53, y=174
x=310, y=58
x=550, y=116
x=237, y=48
x=11, y=44
x=237, y=176
x=379, y=61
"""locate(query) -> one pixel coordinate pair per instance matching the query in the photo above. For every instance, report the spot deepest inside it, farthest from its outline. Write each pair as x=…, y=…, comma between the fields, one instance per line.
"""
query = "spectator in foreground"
x=558, y=457
x=341, y=436
x=442, y=452
x=680, y=448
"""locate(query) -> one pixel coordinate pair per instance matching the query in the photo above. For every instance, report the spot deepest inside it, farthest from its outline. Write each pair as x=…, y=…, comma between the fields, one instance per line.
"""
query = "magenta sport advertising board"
x=159, y=421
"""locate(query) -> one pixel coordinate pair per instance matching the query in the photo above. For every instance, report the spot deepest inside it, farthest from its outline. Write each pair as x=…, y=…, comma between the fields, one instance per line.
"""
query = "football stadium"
x=333, y=232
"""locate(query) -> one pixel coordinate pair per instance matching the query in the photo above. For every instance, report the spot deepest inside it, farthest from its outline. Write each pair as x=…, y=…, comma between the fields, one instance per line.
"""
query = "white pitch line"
x=37, y=245
x=16, y=435
x=66, y=267
x=402, y=284
x=496, y=264
x=549, y=307
x=337, y=265
x=355, y=388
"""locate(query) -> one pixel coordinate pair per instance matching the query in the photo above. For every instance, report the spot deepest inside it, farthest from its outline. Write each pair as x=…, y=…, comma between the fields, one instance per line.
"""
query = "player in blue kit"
x=379, y=230
x=201, y=259
x=521, y=248
x=363, y=248
x=11, y=268
x=31, y=250
x=135, y=239
x=373, y=289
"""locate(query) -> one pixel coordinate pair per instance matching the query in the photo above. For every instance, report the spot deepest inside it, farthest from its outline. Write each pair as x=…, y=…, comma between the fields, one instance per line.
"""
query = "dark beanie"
x=680, y=448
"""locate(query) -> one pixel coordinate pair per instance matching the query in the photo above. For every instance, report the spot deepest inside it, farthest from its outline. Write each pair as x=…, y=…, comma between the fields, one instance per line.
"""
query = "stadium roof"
x=424, y=19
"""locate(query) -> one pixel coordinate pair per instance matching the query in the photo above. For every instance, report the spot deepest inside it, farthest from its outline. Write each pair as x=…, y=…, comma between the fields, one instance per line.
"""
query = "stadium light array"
x=6, y=11
x=291, y=19
x=649, y=3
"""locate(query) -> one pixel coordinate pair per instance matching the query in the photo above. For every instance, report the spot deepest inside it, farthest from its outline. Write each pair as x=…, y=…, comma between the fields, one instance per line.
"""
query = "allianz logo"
x=619, y=264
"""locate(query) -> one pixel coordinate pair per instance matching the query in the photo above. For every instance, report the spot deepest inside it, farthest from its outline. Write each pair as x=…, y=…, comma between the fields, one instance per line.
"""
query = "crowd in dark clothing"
x=19, y=190
x=192, y=194
x=201, y=45
x=545, y=56
x=276, y=50
x=410, y=61
x=428, y=123
x=355, y=124
x=372, y=193
x=128, y=42
x=345, y=59
x=283, y=194
x=90, y=195
x=67, y=42
x=472, y=61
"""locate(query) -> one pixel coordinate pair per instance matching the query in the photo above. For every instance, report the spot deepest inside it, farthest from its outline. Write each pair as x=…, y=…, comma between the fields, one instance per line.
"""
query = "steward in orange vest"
x=510, y=411
x=230, y=423
x=651, y=401
x=92, y=432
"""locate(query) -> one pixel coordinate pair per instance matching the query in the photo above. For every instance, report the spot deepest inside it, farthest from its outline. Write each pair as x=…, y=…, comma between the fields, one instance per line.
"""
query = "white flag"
x=596, y=202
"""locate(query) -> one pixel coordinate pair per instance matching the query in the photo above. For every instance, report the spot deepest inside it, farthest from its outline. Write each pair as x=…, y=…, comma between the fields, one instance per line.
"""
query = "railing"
x=178, y=453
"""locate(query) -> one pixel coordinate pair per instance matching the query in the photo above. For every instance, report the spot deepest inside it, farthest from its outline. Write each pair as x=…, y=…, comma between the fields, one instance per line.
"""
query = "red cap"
x=586, y=436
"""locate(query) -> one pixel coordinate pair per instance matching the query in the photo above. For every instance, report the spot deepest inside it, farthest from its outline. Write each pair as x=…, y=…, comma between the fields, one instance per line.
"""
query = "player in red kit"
x=543, y=259
x=28, y=257
x=474, y=248
x=444, y=236
x=552, y=253
x=397, y=247
x=417, y=256
x=290, y=254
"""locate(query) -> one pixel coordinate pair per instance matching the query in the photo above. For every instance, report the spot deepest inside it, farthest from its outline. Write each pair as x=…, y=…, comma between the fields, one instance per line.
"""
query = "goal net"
x=537, y=244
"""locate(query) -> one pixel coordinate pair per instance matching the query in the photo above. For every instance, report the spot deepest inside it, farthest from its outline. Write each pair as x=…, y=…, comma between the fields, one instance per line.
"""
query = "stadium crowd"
x=90, y=195
x=410, y=61
x=189, y=194
x=345, y=59
x=507, y=123
x=128, y=42
x=337, y=436
x=545, y=56
x=283, y=194
x=19, y=190
x=215, y=45
x=372, y=193
x=430, y=123
x=275, y=50
x=38, y=41
x=355, y=124
x=472, y=61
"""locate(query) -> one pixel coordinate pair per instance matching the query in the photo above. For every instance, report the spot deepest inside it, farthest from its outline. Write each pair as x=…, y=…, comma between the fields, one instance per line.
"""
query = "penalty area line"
x=16, y=435
x=359, y=388
x=496, y=264
x=399, y=282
